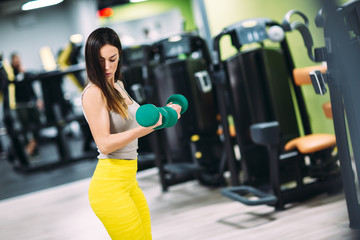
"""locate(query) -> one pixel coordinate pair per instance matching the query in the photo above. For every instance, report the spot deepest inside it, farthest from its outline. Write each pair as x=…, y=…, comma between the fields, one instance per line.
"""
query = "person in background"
x=28, y=105
x=114, y=194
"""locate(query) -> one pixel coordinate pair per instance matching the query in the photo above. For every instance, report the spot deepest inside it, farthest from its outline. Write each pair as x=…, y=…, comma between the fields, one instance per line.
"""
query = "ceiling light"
x=136, y=1
x=175, y=38
x=76, y=38
x=39, y=4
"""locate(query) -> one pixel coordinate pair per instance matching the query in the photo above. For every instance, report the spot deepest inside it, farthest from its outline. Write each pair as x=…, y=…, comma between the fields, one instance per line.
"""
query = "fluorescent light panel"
x=39, y=4
x=136, y=1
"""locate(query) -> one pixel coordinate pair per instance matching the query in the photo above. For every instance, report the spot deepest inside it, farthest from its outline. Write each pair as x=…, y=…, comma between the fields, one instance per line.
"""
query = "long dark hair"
x=97, y=39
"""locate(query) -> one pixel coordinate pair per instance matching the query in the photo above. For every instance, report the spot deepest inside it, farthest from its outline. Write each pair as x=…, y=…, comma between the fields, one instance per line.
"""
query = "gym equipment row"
x=254, y=86
x=341, y=54
x=179, y=65
x=59, y=114
x=134, y=72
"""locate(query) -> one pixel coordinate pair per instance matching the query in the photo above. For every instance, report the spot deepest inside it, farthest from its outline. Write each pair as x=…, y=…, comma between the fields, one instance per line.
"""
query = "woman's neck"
x=112, y=82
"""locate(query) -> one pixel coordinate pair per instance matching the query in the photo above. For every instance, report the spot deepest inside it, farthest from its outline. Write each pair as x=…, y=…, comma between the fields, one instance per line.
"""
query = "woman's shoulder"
x=91, y=91
x=120, y=83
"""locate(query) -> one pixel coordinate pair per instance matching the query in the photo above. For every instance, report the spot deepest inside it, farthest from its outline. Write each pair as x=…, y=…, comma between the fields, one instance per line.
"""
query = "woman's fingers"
x=176, y=107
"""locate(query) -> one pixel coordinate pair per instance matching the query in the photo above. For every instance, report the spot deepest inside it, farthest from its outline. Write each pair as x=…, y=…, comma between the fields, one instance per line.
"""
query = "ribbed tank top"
x=119, y=124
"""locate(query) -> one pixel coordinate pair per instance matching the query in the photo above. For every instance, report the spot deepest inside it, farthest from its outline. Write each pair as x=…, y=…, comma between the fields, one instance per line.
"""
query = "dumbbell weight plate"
x=147, y=115
x=173, y=116
x=180, y=100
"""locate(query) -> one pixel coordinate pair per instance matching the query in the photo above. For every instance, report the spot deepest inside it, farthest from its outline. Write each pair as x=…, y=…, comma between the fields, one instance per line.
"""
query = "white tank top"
x=119, y=124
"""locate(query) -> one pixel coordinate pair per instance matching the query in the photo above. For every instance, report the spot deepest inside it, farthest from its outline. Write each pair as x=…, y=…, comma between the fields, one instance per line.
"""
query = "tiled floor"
x=53, y=205
x=188, y=211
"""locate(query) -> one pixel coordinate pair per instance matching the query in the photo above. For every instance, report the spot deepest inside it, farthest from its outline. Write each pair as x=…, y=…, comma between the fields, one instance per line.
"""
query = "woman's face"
x=109, y=59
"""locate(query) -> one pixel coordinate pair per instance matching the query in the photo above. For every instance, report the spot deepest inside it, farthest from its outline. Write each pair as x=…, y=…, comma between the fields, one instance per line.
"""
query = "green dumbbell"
x=180, y=100
x=172, y=116
x=148, y=115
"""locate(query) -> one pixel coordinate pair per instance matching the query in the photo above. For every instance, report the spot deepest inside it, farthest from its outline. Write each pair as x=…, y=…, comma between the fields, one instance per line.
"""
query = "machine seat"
x=311, y=143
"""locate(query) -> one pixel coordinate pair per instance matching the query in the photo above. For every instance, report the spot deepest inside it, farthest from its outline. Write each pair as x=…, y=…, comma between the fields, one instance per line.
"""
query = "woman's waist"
x=127, y=152
x=116, y=169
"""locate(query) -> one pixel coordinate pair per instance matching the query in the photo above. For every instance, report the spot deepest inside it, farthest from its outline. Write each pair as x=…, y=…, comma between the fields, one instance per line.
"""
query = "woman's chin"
x=109, y=78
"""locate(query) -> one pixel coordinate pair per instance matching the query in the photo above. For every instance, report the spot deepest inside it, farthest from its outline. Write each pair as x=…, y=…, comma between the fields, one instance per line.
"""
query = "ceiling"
x=108, y=3
x=9, y=7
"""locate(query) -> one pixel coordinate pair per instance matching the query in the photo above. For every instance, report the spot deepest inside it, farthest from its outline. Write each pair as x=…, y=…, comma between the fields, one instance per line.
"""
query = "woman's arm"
x=97, y=116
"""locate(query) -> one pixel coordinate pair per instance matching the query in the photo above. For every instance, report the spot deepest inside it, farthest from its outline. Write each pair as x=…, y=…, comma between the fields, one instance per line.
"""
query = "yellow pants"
x=117, y=200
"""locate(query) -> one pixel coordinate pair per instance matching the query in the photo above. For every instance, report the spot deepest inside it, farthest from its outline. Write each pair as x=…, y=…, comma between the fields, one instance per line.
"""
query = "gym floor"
x=54, y=205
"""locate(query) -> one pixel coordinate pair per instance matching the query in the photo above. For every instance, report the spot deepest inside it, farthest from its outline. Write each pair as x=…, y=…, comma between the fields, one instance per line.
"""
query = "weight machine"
x=255, y=87
x=342, y=55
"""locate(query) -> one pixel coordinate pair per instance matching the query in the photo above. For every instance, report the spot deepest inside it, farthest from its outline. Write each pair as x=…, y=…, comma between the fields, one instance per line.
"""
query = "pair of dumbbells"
x=148, y=114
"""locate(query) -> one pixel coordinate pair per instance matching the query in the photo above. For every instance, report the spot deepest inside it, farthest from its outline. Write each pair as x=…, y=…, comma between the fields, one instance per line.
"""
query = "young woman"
x=114, y=194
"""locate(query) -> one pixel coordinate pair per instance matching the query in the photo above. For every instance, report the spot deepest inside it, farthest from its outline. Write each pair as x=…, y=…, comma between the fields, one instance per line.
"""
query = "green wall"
x=132, y=11
x=233, y=11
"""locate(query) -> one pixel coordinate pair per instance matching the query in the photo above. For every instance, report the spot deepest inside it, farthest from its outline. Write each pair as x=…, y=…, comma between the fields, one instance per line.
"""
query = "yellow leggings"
x=117, y=200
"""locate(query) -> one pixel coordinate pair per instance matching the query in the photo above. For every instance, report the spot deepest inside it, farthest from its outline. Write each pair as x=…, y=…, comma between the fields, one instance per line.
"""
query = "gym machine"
x=255, y=87
x=59, y=114
x=70, y=56
x=341, y=54
x=191, y=149
x=136, y=72
x=136, y=81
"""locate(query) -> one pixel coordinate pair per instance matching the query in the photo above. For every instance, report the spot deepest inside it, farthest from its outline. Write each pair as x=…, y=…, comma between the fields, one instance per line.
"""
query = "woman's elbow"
x=104, y=149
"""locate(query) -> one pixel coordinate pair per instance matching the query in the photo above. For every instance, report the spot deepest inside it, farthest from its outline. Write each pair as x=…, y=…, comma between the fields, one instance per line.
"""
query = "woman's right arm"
x=97, y=115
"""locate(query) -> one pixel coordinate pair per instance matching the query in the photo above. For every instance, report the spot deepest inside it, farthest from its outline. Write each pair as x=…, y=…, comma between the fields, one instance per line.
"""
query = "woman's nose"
x=107, y=64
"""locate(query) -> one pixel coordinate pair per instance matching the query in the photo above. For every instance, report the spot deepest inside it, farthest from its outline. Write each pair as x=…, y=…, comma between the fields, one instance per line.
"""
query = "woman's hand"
x=148, y=130
x=176, y=107
x=158, y=123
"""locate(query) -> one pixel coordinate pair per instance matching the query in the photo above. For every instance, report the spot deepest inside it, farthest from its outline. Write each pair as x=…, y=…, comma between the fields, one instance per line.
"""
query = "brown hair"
x=96, y=40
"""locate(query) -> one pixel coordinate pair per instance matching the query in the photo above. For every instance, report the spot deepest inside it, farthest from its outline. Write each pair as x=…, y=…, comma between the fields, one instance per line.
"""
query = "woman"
x=114, y=194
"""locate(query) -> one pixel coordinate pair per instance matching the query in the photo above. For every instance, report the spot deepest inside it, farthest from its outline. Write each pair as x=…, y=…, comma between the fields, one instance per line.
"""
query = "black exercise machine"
x=342, y=55
x=59, y=114
x=136, y=81
x=255, y=87
x=136, y=72
x=192, y=148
